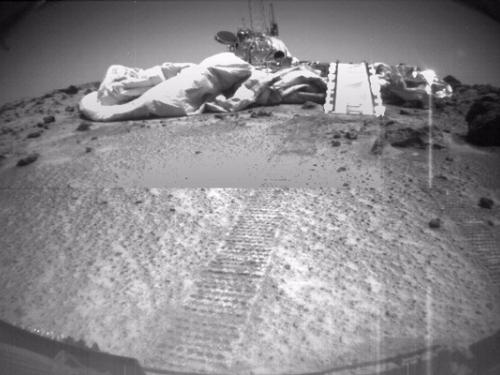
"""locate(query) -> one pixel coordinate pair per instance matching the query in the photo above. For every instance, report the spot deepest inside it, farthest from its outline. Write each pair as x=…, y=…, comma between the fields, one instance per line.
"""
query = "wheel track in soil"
x=212, y=318
x=483, y=241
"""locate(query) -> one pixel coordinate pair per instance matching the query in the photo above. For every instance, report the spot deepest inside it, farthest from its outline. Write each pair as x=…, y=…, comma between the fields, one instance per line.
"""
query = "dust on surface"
x=103, y=244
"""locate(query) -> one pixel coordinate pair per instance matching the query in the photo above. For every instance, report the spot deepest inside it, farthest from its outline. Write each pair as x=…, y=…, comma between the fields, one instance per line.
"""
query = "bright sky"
x=73, y=42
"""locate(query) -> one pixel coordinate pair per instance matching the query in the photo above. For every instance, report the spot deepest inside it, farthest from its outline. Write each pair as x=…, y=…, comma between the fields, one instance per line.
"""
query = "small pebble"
x=486, y=203
x=84, y=126
x=49, y=119
x=28, y=160
x=35, y=134
x=435, y=223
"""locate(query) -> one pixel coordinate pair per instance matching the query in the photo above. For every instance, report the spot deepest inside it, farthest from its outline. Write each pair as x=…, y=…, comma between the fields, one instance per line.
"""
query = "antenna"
x=250, y=13
x=274, y=24
x=263, y=17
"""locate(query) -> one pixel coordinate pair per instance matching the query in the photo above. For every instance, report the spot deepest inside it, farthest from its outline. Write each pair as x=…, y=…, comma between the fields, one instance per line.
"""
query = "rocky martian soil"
x=274, y=240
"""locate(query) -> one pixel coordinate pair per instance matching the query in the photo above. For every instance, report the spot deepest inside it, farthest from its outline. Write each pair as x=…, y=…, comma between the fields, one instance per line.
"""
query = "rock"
x=336, y=143
x=84, y=126
x=486, y=203
x=197, y=152
x=342, y=169
x=35, y=134
x=351, y=135
x=309, y=105
x=219, y=116
x=413, y=137
x=260, y=113
x=70, y=90
x=49, y=119
x=69, y=108
x=42, y=125
x=404, y=112
x=452, y=81
x=88, y=149
x=483, y=119
x=435, y=223
x=31, y=158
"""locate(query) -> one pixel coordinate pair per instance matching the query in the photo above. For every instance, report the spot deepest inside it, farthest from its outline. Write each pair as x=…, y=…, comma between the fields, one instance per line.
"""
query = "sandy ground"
x=113, y=245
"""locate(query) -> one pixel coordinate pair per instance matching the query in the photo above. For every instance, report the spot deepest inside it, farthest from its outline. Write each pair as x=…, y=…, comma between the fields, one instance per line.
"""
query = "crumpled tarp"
x=220, y=83
x=409, y=83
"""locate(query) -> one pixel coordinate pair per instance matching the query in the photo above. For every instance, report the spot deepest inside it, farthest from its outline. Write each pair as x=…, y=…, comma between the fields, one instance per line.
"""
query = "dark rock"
x=342, y=169
x=70, y=90
x=404, y=112
x=197, y=152
x=49, y=119
x=260, y=113
x=309, y=105
x=351, y=135
x=435, y=223
x=336, y=143
x=220, y=116
x=483, y=119
x=35, y=134
x=84, y=126
x=486, y=203
x=452, y=81
x=413, y=137
x=42, y=125
x=28, y=159
x=69, y=108
x=88, y=149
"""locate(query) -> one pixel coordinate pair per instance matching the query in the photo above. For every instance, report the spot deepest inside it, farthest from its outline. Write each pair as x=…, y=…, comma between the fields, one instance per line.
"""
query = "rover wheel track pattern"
x=214, y=314
x=483, y=240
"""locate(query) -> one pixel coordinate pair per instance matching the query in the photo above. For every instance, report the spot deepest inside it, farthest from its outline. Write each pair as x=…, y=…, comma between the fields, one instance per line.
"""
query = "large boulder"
x=407, y=136
x=452, y=81
x=415, y=137
x=483, y=121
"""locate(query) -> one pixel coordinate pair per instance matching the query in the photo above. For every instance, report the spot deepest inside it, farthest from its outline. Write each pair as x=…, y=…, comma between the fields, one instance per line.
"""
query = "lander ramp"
x=353, y=89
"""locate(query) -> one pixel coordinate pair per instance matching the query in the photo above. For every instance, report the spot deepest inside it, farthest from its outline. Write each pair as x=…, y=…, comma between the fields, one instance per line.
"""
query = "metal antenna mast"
x=274, y=25
x=250, y=14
